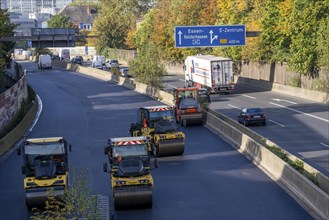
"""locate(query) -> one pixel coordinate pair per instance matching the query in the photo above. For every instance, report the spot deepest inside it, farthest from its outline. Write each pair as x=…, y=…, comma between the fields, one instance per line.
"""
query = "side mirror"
x=70, y=147
x=18, y=151
x=106, y=150
x=105, y=167
x=23, y=170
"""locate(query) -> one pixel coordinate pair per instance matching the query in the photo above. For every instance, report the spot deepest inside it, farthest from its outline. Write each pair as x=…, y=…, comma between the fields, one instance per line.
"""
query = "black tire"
x=264, y=123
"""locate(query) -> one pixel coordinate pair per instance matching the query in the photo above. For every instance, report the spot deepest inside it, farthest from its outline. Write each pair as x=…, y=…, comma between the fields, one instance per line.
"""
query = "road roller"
x=157, y=124
x=188, y=109
x=130, y=169
x=45, y=166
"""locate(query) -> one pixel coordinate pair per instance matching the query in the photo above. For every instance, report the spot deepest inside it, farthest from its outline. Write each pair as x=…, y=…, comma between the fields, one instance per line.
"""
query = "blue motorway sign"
x=210, y=36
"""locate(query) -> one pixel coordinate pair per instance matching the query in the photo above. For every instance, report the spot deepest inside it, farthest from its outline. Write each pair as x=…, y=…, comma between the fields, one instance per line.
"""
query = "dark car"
x=252, y=116
x=204, y=96
x=76, y=60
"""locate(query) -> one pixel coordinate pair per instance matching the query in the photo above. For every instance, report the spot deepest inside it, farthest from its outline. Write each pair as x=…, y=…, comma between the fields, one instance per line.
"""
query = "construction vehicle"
x=130, y=165
x=210, y=72
x=45, y=165
x=156, y=123
x=188, y=109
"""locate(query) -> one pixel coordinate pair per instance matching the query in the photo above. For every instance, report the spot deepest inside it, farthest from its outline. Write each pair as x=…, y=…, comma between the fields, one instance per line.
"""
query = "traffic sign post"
x=210, y=36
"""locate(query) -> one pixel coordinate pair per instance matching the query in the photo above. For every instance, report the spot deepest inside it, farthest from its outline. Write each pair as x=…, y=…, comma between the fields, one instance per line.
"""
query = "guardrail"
x=252, y=145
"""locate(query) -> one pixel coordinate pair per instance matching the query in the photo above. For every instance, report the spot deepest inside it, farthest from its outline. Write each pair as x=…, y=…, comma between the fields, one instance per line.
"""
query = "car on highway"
x=252, y=116
x=77, y=60
x=112, y=64
x=125, y=72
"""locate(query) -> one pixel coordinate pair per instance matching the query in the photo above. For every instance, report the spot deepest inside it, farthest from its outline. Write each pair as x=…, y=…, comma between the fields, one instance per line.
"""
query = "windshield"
x=254, y=110
x=44, y=149
x=155, y=116
x=132, y=150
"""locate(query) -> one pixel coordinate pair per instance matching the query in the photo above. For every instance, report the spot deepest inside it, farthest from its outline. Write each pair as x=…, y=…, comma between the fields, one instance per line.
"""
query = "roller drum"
x=136, y=197
x=191, y=119
x=170, y=147
x=36, y=197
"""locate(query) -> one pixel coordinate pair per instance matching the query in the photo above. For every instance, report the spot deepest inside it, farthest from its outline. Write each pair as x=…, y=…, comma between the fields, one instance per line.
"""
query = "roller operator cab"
x=156, y=123
x=45, y=165
x=130, y=166
x=188, y=109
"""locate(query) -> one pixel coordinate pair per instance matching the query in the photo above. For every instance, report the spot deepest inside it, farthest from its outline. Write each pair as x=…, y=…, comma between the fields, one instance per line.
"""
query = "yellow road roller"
x=130, y=166
x=45, y=166
x=156, y=123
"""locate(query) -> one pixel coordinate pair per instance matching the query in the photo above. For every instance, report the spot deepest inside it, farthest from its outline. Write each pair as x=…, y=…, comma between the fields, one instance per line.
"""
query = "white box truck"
x=210, y=72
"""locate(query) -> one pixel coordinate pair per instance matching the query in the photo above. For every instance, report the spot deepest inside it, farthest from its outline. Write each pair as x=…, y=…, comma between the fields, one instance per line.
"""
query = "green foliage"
x=6, y=29
x=298, y=165
x=295, y=81
x=114, y=21
x=60, y=21
x=147, y=68
x=77, y=203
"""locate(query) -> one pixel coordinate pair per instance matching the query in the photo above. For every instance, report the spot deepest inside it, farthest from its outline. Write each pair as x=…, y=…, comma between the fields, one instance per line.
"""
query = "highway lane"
x=210, y=181
x=300, y=126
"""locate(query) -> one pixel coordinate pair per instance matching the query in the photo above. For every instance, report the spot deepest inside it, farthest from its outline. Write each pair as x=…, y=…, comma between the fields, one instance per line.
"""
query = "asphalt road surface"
x=300, y=126
x=210, y=181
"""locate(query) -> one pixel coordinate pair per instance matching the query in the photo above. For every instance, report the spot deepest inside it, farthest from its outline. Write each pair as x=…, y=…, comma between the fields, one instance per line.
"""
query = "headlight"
x=119, y=182
x=144, y=181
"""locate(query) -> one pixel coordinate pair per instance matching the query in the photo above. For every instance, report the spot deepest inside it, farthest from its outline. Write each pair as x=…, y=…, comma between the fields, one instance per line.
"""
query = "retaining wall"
x=10, y=101
x=246, y=141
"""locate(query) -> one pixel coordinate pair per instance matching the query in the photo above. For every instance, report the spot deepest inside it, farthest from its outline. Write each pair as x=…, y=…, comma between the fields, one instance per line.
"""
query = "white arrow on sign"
x=212, y=39
x=282, y=100
x=180, y=37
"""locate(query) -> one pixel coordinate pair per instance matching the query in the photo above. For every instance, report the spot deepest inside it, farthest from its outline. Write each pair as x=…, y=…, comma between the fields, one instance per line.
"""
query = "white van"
x=98, y=62
x=44, y=62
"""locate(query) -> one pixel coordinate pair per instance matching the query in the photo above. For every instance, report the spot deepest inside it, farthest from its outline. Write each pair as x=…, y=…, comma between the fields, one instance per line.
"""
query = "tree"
x=147, y=68
x=6, y=29
x=115, y=19
x=306, y=19
x=77, y=203
x=61, y=21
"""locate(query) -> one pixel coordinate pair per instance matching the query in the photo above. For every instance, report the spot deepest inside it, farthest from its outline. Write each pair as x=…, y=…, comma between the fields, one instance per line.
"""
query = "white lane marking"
x=324, y=145
x=313, y=116
x=248, y=96
x=172, y=86
x=283, y=100
x=169, y=77
x=233, y=106
x=38, y=113
x=277, y=123
x=182, y=80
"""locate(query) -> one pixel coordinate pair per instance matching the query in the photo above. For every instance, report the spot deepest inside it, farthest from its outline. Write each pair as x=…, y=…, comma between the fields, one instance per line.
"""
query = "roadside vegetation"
x=76, y=204
x=293, y=31
x=6, y=48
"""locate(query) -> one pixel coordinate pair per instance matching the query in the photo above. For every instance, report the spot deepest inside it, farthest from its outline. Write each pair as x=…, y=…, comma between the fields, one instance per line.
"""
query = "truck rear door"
x=221, y=72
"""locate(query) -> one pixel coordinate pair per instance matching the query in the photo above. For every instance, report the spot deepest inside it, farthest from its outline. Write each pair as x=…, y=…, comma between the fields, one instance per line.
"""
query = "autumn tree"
x=114, y=20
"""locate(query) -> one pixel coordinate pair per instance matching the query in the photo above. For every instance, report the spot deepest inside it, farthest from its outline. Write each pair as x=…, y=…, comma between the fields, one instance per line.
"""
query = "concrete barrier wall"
x=288, y=90
x=299, y=185
x=246, y=141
